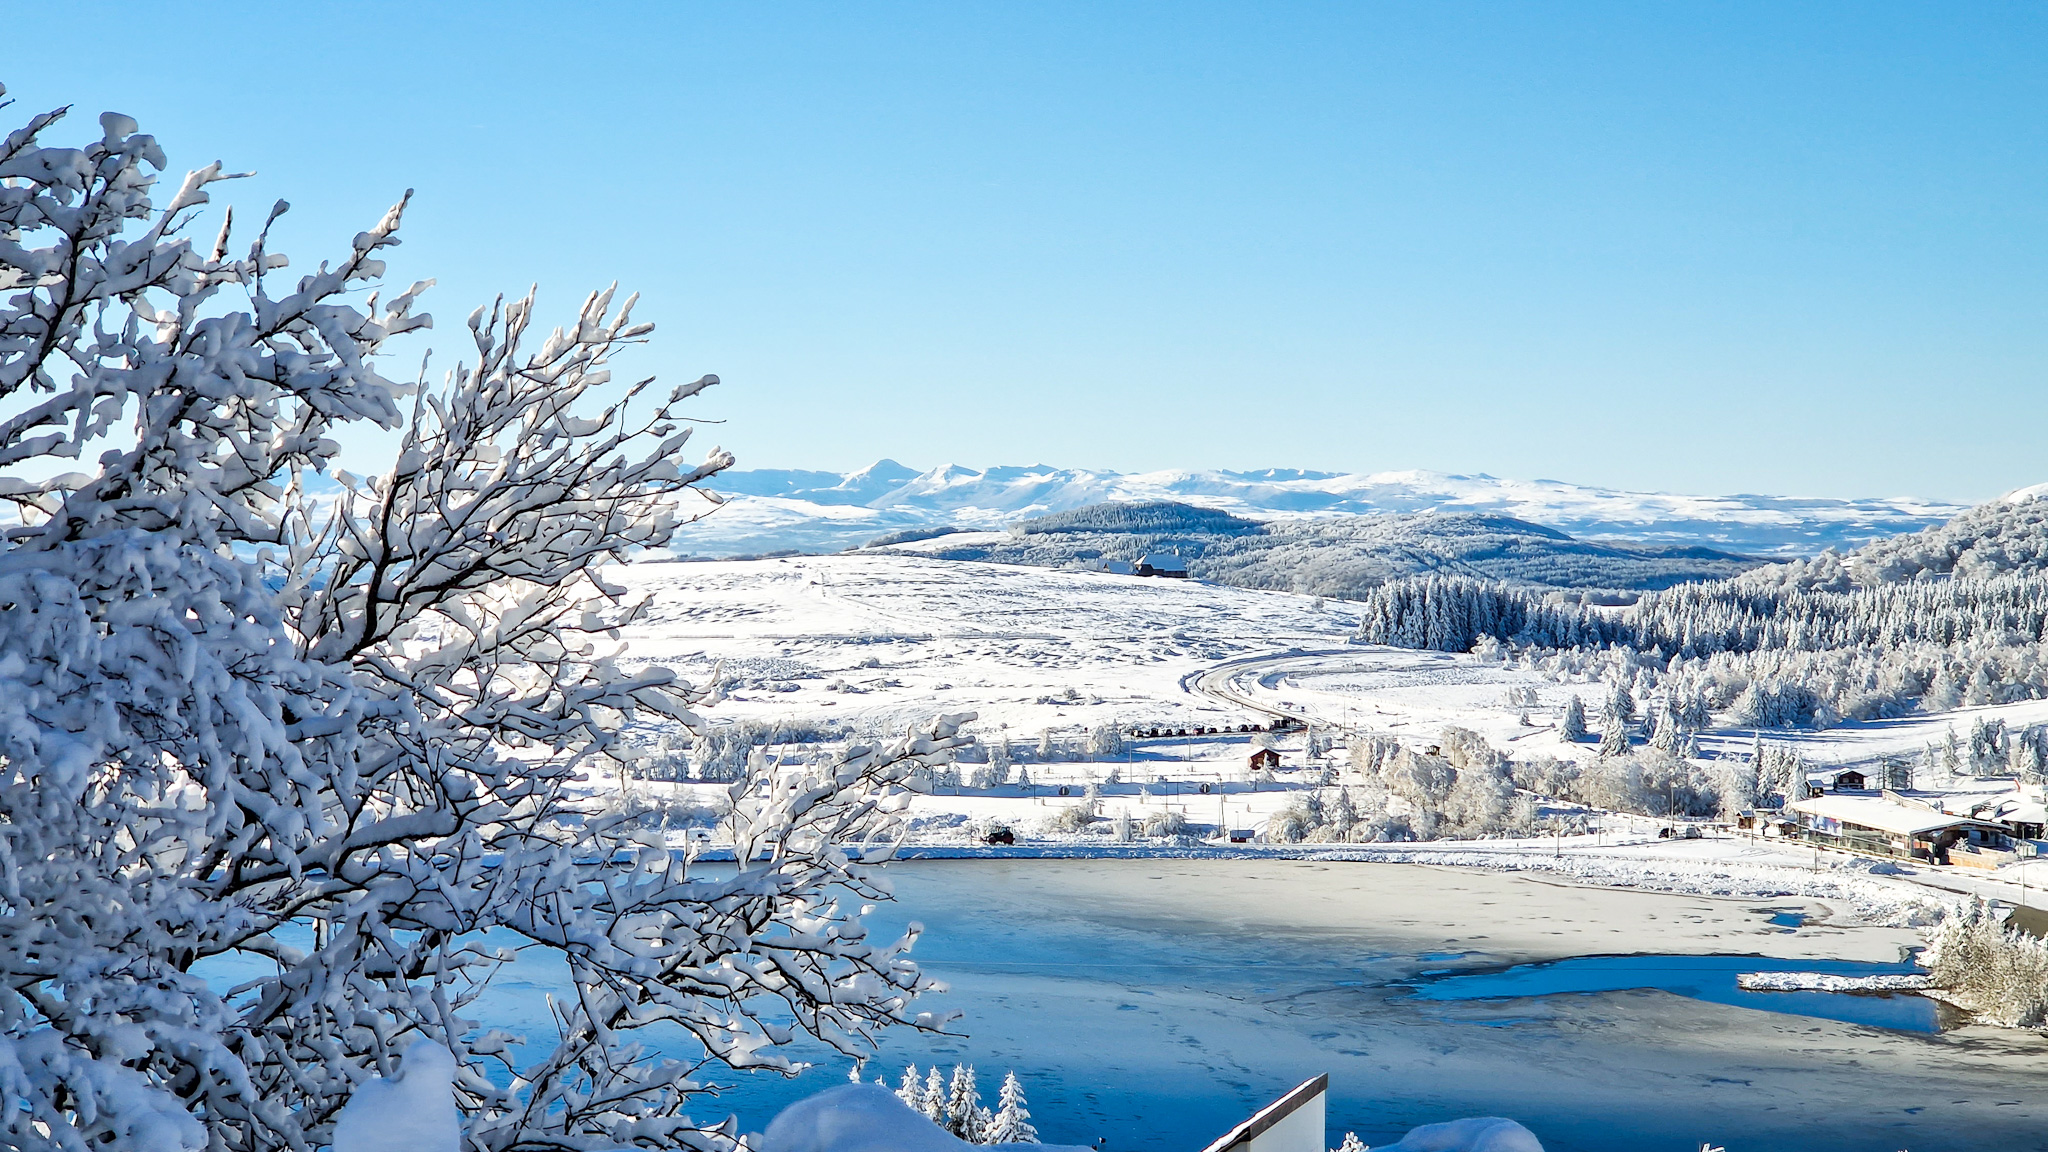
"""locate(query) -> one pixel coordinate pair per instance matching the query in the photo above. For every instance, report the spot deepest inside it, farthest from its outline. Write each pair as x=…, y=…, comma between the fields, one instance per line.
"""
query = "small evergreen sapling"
x=1012, y=1121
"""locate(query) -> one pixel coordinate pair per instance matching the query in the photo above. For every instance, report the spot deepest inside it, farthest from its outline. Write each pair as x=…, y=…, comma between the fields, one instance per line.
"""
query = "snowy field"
x=910, y=637
x=874, y=643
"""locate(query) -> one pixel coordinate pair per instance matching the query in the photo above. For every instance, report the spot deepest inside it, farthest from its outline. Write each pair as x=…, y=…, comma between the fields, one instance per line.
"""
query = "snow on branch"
x=336, y=740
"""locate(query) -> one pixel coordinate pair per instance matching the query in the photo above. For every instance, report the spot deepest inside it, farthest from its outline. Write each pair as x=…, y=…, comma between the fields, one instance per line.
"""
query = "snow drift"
x=867, y=1118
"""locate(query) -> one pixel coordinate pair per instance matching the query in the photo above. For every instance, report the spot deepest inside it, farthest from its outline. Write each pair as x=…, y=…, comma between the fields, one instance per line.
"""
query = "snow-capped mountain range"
x=783, y=509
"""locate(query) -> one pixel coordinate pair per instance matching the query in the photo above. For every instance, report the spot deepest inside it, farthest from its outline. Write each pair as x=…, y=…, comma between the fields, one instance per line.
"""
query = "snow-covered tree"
x=1343, y=814
x=1613, y=736
x=1351, y=1144
x=1737, y=784
x=1988, y=746
x=1479, y=802
x=1106, y=742
x=935, y=1097
x=963, y=1105
x=1012, y=1122
x=333, y=737
x=1571, y=726
x=910, y=1089
x=1522, y=815
x=1621, y=703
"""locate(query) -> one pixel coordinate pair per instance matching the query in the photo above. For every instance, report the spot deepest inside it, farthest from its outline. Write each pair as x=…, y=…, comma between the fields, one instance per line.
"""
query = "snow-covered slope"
x=776, y=509
x=2005, y=536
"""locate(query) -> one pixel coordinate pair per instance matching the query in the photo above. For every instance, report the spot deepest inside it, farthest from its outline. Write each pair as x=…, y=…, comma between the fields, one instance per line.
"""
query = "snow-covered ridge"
x=2027, y=495
x=776, y=509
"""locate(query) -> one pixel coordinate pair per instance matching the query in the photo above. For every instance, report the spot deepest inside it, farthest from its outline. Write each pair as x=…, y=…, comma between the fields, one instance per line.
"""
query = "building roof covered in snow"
x=1162, y=562
x=2014, y=807
x=1885, y=814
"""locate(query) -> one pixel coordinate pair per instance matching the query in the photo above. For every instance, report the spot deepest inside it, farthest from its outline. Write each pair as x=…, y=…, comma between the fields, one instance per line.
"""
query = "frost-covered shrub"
x=1106, y=742
x=724, y=752
x=1479, y=802
x=1546, y=775
x=1168, y=823
x=1071, y=819
x=657, y=811
x=1422, y=780
x=1997, y=972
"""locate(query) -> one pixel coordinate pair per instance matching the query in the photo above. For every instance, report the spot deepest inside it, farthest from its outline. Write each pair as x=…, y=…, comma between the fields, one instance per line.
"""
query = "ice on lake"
x=1155, y=1003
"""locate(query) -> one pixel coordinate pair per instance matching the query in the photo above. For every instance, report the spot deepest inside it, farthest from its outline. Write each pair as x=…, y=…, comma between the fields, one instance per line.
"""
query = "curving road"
x=1231, y=681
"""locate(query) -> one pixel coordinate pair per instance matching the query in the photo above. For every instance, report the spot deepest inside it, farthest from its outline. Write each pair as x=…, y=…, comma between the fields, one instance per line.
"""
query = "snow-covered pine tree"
x=1795, y=786
x=935, y=1097
x=963, y=1105
x=1571, y=726
x=1012, y=1122
x=1621, y=703
x=910, y=1089
x=230, y=710
x=1665, y=733
x=1613, y=736
x=1343, y=814
x=1351, y=1144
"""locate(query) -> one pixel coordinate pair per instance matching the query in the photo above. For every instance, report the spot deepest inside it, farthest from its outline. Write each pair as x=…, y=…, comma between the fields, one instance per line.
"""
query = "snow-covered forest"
x=1954, y=615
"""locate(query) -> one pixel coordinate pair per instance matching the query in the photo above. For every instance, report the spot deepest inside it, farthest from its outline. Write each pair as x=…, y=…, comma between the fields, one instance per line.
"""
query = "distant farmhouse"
x=1151, y=564
x=1163, y=564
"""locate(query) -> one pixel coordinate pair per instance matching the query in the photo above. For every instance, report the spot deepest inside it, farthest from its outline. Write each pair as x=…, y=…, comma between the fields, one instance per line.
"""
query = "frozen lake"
x=1156, y=1002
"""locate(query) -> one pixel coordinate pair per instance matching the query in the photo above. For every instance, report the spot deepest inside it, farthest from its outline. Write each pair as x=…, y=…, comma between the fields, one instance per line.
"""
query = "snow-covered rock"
x=413, y=1111
x=1473, y=1134
x=870, y=1118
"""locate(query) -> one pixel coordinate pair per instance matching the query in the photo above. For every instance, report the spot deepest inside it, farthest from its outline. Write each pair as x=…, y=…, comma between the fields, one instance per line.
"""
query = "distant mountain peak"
x=775, y=509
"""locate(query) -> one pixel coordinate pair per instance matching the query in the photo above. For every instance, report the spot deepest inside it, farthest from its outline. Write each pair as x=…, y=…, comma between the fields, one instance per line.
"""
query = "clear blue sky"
x=1713, y=247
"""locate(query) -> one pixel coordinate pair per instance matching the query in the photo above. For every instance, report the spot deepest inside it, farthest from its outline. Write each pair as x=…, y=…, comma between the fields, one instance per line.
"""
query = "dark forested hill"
x=1341, y=556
